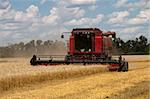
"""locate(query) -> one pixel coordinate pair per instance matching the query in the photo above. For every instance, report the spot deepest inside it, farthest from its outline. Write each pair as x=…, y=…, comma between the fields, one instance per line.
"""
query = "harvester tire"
x=120, y=69
x=123, y=67
x=33, y=60
x=126, y=66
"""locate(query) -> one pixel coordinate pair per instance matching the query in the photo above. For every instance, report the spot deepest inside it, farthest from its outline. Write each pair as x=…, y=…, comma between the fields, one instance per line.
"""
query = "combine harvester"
x=86, y=46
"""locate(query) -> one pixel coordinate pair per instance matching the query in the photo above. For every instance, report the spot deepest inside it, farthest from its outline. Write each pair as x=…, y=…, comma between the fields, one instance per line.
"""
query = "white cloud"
x=140, y=4
x=43, y=1
x=131, y=29
x=52, y=18
x=92, y=8
x=4, y=7
x=29, y=15
x=121, y=3
x=144, y=14
x=137, y=21
x=7, y=14
x=132, y=5
x=4, y=4
x=19, y=16
x=5, y=34
x=142, y=18
x=118, y=17
x=80, y=2
x=63, y=13
x=52, y=33
x=70, y=12
x=85, y=21
x=130, y=32
x=32, y=11
x=9, y=26
x=77, y=12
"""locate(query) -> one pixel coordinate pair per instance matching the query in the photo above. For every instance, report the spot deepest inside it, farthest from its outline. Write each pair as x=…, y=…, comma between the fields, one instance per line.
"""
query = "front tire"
x=123, y=67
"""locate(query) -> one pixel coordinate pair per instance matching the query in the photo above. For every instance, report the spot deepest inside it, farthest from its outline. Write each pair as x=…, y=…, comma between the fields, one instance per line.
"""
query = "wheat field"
x=21, y=66
x=18, y=72
x=20, y=80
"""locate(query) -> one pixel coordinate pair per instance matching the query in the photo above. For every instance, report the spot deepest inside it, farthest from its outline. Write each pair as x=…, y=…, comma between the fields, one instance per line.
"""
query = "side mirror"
x=62, y=36
x=114, y=35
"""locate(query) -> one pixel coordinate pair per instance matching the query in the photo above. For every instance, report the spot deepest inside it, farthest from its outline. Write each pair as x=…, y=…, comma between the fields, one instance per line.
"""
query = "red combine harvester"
x=86, y=46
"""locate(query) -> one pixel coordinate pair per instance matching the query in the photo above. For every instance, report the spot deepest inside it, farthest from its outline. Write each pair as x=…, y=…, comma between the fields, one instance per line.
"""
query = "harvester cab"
x=88, y=46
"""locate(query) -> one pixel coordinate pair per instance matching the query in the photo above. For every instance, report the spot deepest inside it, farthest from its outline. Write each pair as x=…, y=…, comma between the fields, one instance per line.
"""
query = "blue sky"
x=24, y=20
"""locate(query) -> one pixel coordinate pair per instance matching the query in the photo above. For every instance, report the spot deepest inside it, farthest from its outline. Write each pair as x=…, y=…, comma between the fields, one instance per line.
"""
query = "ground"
x=133, y=84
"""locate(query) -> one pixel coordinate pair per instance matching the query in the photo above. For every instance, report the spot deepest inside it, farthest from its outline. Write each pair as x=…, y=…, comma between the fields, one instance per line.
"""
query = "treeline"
x=33, y=47
x=139, y=46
